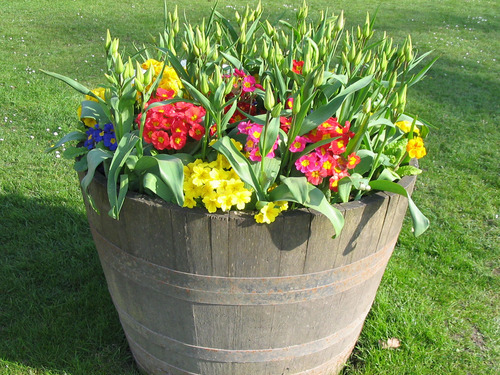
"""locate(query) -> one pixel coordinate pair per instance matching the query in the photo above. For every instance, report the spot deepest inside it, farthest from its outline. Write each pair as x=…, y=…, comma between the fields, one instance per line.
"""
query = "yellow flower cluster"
x=88, y=121
x=415, y=148
x=270, y=211
x=405, y=126
x=170, y=80
x=216, y=184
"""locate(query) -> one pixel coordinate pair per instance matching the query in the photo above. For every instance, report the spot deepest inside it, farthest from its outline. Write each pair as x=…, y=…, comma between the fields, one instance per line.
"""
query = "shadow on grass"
x=56, y=315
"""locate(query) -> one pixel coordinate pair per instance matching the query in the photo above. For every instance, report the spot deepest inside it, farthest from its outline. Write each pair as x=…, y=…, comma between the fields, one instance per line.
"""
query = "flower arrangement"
x=242, y=114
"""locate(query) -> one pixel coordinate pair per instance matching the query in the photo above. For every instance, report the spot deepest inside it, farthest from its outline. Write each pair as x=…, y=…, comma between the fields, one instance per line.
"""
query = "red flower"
x=194, y=114
x=161, y=140
x=339, y=145
x=196, y=131
x=285, y=123
x=148, y=133
x=314, y=177
x=297, y=66
x=353, y=160
x=178, y=141
x=179, y=127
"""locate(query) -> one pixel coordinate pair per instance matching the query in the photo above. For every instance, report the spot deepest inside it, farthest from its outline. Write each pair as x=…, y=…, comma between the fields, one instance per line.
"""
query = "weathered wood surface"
x=218, y=294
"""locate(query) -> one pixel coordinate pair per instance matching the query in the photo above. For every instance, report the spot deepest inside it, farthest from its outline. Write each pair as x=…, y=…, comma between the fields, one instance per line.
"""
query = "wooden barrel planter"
x=218, y=294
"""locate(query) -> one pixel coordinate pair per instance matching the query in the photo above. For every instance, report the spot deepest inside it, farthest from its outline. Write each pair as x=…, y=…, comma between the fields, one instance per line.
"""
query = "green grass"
x=439, y=296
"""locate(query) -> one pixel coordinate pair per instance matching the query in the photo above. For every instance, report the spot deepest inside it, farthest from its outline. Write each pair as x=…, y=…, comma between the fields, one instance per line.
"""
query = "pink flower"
x=255, y=132
x=244, y=127
x=248, y=84
x=255, y=154
x=298, y=144
x=239, y=73
x=307, y=163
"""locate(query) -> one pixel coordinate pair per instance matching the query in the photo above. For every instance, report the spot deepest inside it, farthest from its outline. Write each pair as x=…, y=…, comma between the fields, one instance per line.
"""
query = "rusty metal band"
x=241, y=290
x=166, y=343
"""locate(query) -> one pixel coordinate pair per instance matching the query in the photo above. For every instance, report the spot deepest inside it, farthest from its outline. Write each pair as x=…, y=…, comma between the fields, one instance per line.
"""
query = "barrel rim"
x=406, y=182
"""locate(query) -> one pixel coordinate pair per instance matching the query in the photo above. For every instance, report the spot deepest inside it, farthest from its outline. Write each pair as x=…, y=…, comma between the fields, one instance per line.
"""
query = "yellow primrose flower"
x=241, y=198
x=225, y=202
x=282, y=205
x=170, y=80
x=267, y=214
x=100, y=91
x=201, y=175
x=405, y=126
x=216, y=186
x=189, y=201
x=415, y=148
x=210, y=202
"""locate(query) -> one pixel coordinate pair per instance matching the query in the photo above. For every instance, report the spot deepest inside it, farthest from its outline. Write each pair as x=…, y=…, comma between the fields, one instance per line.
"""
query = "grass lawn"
x=439, y=295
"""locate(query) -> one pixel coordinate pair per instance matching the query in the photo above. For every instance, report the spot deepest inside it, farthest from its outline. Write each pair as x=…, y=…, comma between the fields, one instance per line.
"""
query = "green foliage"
x=436, y=295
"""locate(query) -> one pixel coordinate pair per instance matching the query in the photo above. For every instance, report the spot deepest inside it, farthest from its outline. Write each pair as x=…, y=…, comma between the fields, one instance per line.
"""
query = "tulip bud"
x=217, y=76
x=111, y=79
x=318, y=77
x=148, y=78
x=393, y=79
x=345, y=61
x=367, y=27
x=139, y=76
x=306, y=68
x=139, y=86
x=196, y=51
x=215, y=54
x=247, y=12
x=296, y=104
x=129, y=69
x=367, y=107
x=175, y=16
x=358, y=57
x=303, y=28
x=408, y=49
x=119, y=68
x=272, y=55
x=114, y=47
x=396, y=100
x=185, y=46
x=269, y=97
x=383, y=62
x=199, y=40
x=269, y=29
x=264, y=53
x=304, y=9
x=372, y=67
x=108, y=41
x=276, y=112
x=359, y=34
x=229, y=85
x=388, y=48
x=340, y=22
x=352, y=53
x=243, y=36
x=402, y=97
x=258, y=9
x=204, y=88
x=237, y=16
x=368, y=57
x=218, y=31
